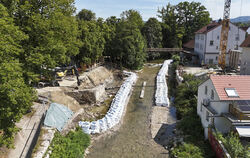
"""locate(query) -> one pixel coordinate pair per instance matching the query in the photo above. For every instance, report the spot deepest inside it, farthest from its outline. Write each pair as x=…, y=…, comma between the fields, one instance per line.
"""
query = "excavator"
x=224, y=35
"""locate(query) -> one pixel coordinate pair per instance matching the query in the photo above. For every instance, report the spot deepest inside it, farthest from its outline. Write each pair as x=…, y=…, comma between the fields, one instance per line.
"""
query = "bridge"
x=169, y=50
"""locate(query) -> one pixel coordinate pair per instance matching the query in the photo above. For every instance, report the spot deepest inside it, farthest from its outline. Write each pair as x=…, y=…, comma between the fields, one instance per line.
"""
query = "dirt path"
x=133, y=139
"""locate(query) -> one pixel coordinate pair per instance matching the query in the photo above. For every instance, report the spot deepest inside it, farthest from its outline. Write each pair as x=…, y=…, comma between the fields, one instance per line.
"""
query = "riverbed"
x=133, y=139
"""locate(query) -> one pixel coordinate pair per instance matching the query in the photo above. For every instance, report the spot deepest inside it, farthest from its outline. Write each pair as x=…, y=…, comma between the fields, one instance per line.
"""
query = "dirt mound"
x=95, y=77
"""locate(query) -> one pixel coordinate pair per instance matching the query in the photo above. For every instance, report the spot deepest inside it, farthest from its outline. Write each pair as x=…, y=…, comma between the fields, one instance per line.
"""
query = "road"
x=133, y=139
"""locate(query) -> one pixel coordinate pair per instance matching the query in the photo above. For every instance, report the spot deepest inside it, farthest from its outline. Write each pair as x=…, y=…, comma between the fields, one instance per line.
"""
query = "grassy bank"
x=73, y=145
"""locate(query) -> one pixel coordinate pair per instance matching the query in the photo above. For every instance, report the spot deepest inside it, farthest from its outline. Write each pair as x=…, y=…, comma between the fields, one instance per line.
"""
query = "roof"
x=246, y=43
x=241, y=83
x=208, y=27
x=189, y=44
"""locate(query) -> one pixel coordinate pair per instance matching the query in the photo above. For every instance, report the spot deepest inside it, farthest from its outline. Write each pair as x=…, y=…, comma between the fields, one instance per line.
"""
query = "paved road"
x=133, y=139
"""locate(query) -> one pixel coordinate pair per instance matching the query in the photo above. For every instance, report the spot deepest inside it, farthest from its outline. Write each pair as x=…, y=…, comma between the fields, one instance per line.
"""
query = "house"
x=207, y=42
x=224, y=103
x=245, y=57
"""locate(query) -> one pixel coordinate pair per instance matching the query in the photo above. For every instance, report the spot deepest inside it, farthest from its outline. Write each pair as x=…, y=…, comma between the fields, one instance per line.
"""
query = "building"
x=245, y=57
x=207, y=42
x=224, y=103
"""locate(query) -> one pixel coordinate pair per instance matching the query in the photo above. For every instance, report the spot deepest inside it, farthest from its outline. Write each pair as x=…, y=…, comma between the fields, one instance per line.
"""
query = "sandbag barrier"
x=161, y=94
x=116, y=109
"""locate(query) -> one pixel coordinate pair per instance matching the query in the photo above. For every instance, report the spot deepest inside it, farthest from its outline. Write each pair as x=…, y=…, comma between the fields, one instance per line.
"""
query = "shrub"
x=71, y=146
x=187, y=151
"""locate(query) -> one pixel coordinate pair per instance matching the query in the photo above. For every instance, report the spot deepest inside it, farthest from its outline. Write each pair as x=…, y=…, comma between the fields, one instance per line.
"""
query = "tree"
x=93, y=41
x=181, y=21
x=16, y=97
x=86, y=15
x=171, y=31
x=152, y=31
x=53, y=35
x=129, y=46
x=134, y=17
x=192, y=16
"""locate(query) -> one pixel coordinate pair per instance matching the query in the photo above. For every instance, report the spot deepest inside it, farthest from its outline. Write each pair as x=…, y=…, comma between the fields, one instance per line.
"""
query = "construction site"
x=165, y=100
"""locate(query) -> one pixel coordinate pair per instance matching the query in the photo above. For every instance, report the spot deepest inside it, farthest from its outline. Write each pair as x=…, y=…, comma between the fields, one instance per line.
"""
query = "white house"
x=245, y=57
x=224, y=103
x=207, y=42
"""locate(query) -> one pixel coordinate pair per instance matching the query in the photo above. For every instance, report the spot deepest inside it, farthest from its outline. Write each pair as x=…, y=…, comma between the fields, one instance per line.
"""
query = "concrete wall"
x=245, y=61
x=210, y=52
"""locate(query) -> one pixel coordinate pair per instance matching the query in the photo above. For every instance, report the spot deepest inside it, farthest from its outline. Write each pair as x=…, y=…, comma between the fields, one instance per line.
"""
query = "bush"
x=187, y=151
x=71, y=146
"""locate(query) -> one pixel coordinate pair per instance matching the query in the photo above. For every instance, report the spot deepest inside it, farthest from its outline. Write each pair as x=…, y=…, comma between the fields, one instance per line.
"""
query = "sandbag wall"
x=116, y=109
x=161, y=94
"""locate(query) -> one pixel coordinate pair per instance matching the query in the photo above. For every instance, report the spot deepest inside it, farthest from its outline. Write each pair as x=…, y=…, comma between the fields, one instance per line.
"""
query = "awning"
x=244, y=131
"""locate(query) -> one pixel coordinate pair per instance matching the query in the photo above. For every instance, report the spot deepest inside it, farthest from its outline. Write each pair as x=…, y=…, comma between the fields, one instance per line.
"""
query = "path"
x=133, y=139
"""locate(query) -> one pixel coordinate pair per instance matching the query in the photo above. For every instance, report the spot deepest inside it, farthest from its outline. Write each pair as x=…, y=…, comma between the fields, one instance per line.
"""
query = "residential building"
x=245, y=57
x=224, y=103
x=207, y=42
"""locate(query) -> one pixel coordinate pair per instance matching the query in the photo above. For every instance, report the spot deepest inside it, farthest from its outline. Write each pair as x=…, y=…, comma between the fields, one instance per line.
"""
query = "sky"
x=148, y=8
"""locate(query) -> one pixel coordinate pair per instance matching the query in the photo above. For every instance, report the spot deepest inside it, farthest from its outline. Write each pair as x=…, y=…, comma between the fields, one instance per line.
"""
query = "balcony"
x=239, y=113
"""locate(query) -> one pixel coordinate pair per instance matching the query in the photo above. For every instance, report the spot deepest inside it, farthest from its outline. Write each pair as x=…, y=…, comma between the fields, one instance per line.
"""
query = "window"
x=216, y=58
x=206, y=90
x=198, y=36
x=212, y=94
x=202, y=37
x=217, y=47
x=237, y=37
x=201, y=107
x=218, y=37
x=231, y=92
x=211, y=43
x=207, y=116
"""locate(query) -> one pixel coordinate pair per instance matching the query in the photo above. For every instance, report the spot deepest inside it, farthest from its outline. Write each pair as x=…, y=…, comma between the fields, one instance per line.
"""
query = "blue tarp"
x=57, y=116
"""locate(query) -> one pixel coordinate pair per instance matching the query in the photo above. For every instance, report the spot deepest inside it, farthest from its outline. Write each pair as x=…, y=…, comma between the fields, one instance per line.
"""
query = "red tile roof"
x=189, y=44
x=239, y=82
x=246, y=43
x=208, y=27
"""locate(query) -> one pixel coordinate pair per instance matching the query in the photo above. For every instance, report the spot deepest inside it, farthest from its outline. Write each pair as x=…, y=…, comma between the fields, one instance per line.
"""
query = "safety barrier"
x=161, y=94
x=116, y=109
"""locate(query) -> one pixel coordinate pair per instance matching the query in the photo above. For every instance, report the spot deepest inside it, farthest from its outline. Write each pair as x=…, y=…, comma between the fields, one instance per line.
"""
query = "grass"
x=73, y=145
x=157, y=61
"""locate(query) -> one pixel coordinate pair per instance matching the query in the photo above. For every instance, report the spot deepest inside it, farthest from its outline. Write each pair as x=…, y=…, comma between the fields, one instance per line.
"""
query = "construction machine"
x=224, y=35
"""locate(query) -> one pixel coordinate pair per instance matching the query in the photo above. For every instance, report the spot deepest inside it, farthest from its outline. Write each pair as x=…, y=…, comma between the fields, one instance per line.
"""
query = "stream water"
x=133, y=139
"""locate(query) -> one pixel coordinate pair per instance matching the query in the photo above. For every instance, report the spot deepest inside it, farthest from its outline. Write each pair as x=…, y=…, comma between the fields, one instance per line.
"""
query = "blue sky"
x=148, y=8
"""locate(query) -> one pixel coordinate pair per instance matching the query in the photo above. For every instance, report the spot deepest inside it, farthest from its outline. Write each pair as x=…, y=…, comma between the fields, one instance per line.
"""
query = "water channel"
x=133, y=139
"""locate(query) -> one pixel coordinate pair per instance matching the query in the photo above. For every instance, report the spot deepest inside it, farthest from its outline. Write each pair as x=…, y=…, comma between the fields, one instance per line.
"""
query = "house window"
x=216, y=58
x=198, y=36
x=218, y=37
x=212, y=94
x=202, y=37
x=211, y=43
x=217, y=47
x=207, y=116
x=237, y=37
x=206, y=90
x=201, y=107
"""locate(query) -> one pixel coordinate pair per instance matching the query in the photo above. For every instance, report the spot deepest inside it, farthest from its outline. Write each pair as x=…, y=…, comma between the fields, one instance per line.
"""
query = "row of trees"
x=36, y=36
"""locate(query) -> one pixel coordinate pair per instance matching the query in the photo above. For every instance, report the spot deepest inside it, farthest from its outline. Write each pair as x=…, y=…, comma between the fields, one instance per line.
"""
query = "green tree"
x=86, y=15
x=92, y=37
x=192, y=16
x=129, y=46
x=181, y=21
x=53, y=35
x=152, y=31
x=16, y=97
x=171, y=31
x=134, y=17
